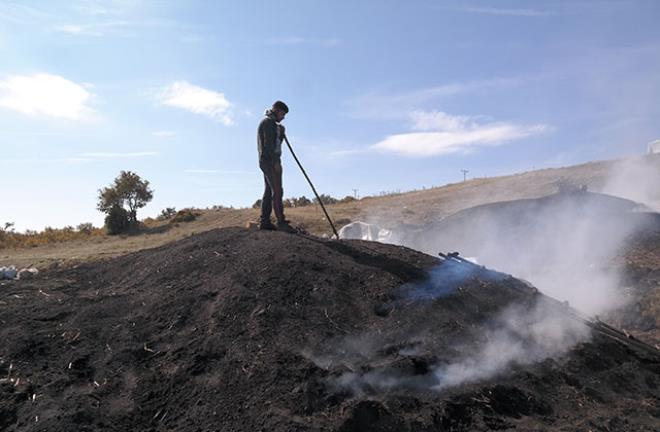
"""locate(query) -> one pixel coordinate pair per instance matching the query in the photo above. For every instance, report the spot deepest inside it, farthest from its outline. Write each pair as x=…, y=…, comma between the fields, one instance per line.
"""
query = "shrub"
x=300, y=202
x=327, y=199
x=31, y=238
x=185, y=215
x=257, y=204
x=117, y=221
x=85, y=228
x=167, y=213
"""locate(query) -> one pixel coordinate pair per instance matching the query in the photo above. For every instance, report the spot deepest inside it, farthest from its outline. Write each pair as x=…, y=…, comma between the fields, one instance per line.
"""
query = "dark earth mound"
x=573, y=237
x=514, y=225
x=235, y=330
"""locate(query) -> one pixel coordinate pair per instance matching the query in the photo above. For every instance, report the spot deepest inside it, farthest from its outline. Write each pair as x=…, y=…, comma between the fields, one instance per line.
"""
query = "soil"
x=590, y=229
x=237, y=330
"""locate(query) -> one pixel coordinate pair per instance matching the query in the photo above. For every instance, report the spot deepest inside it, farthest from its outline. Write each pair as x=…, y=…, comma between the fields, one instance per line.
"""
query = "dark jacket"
x=269, y=139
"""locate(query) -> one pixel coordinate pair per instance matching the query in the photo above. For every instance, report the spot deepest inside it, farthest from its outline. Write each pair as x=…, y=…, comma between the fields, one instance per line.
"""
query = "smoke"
x=445, y=279
x=519, y=335
x=565, y=244
x=637, y=179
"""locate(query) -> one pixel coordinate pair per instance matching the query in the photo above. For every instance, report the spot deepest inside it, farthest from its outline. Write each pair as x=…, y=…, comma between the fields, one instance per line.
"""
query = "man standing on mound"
x=269, y=142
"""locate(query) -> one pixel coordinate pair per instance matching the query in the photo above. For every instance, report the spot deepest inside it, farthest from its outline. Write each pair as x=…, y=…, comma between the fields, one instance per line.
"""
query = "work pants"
x=273, y=191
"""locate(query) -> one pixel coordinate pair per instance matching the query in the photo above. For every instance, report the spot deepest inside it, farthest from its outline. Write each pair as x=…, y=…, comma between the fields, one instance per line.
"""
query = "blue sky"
x=384, y=95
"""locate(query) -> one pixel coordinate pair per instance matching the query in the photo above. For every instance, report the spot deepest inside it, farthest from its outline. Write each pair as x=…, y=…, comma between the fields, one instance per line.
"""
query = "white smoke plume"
x=564, y=244
x=637, y=179
x=518, y=336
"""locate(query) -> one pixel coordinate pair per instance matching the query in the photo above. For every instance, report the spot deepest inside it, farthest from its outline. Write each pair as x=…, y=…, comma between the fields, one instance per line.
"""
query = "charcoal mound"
x=237, y=330
x=566, y=243
x=515, y=226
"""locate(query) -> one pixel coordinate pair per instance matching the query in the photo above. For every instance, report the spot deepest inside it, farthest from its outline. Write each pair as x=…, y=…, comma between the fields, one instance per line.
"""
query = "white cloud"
x=383, y=105
x=442, y=133
x=350, y=152
x=45, y=94
x=105, y=7
x=74, y=29
x=164, y=133
x=111, y=28
x=119, y=155
x=437, y=120
x=198, y=100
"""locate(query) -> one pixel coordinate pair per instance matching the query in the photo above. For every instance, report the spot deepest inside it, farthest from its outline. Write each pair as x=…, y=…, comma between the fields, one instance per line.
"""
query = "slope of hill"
x=596, y=251
x=246, y=331
x=633, y=178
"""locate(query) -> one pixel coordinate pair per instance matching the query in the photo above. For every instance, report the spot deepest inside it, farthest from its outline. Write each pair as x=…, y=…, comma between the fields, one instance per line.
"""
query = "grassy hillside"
x=411, y=207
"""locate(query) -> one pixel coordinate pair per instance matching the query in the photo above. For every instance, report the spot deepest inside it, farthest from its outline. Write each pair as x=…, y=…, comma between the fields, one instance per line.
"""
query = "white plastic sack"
x=27, y=273
x=364, y=231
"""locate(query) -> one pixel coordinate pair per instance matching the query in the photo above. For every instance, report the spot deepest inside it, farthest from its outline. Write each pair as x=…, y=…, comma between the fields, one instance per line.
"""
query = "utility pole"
x=464, y=171
x=355, y=193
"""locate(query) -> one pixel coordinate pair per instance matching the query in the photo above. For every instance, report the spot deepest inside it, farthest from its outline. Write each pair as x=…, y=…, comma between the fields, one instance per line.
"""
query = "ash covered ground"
x=235, y=330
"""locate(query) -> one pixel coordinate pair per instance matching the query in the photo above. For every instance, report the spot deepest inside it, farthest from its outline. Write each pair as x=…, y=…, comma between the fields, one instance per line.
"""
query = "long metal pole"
x=334, y=230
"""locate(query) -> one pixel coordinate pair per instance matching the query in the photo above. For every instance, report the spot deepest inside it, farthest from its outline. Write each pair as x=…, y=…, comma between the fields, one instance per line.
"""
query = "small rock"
x=27, y=273
x=8, y=272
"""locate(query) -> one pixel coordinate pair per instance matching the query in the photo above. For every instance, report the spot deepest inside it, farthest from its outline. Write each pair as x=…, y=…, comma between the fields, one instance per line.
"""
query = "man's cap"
x=279, y=105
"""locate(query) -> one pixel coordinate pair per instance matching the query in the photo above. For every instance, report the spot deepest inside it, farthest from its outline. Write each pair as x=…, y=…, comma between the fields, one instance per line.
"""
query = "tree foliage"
x=128, y=192
x=116, y=221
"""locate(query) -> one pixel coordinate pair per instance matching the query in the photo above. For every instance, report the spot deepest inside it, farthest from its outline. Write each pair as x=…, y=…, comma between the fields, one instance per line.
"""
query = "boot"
x=285, y=226
x=267, y=225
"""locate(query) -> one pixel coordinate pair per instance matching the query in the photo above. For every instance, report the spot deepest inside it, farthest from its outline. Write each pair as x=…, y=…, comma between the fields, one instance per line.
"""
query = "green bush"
x=117, y=221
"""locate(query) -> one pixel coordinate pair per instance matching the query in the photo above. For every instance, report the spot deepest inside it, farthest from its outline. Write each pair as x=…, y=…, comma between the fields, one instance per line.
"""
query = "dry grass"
x=412, y=207
x=10, y=239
